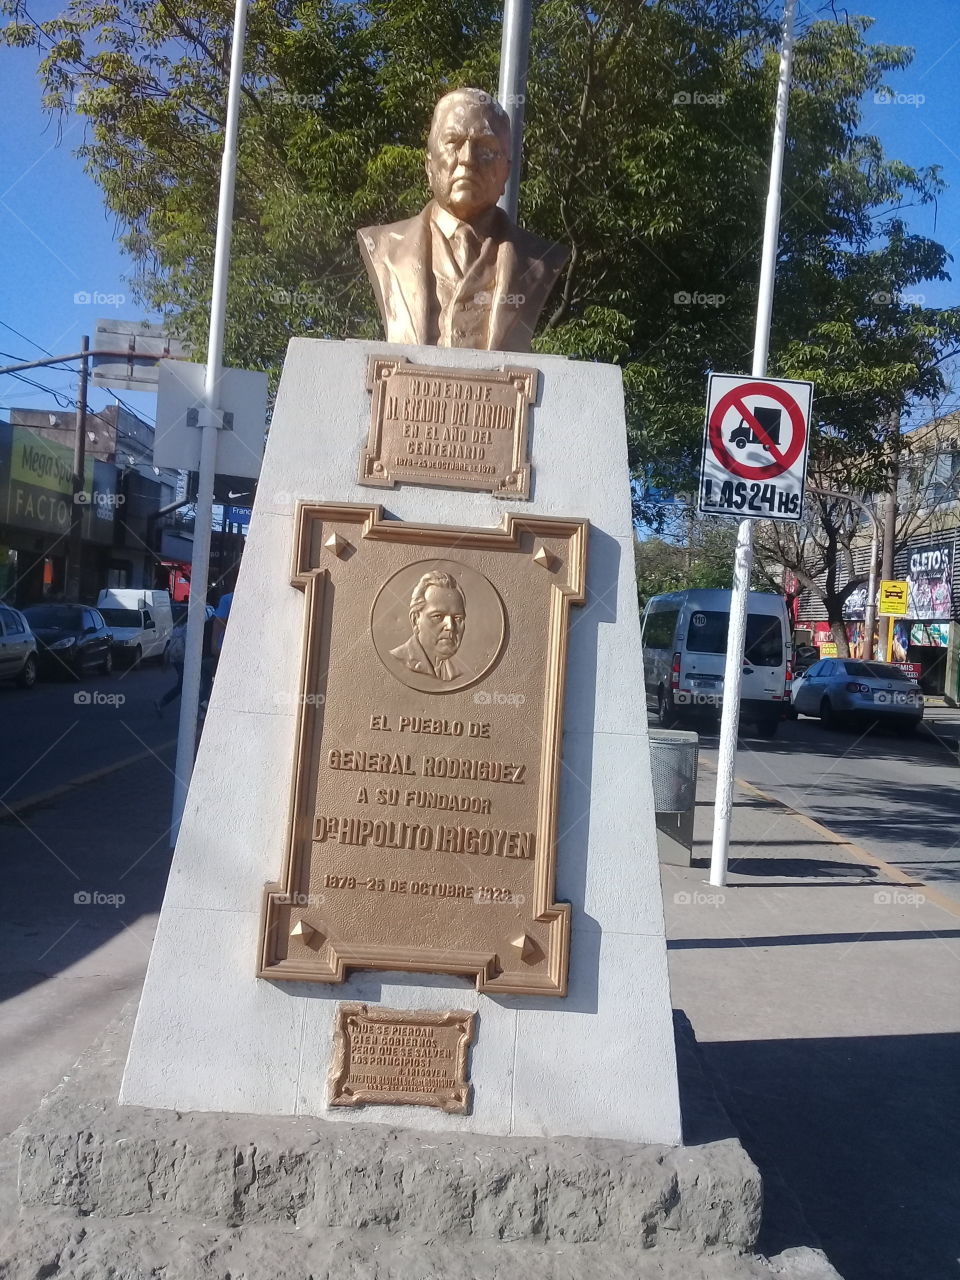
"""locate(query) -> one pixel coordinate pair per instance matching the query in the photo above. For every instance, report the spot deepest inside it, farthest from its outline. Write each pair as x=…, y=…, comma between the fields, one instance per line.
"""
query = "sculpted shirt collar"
x=447, y=222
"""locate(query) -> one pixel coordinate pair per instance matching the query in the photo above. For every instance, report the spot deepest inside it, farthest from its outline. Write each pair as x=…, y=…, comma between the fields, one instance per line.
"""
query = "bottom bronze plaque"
x=401, y=1057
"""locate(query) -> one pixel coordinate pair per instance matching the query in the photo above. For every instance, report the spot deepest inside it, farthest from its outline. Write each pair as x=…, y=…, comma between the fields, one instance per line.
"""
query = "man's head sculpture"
x=460, y=273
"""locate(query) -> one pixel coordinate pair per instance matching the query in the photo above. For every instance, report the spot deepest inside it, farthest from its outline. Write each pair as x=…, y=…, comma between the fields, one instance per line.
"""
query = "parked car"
x=136, y=635
x=18, y=648
x=71, y=639
x=684, y=641
x=837, y=689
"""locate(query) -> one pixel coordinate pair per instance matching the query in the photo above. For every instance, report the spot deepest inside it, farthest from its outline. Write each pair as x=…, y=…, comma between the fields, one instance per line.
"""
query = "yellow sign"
x=893, y=598
x=828, y=649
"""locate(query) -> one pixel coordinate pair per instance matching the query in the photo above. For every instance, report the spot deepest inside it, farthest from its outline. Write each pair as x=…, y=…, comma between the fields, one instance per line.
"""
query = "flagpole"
x=514, y=60
x=209, y=425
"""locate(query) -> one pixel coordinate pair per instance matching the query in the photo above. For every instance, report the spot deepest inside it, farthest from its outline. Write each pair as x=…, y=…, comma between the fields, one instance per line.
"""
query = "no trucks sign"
x=755, y=447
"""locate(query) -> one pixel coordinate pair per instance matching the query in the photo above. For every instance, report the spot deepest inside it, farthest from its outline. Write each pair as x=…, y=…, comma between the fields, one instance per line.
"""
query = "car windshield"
x=54, y=615
x=121, y=617
x=707, y=633
x=876, y=671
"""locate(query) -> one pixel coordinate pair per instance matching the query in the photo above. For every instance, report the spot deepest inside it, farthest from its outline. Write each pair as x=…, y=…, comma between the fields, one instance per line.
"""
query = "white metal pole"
x=514, y=57
x=870, y=612
x=200, y=566
x=743, y=564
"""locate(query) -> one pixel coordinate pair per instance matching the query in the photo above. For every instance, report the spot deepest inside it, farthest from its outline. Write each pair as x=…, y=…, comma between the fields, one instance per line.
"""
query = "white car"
x=136, y=635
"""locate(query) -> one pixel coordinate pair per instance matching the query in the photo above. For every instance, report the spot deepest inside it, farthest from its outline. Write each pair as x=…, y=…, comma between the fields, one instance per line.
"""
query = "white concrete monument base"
x=211, y=1036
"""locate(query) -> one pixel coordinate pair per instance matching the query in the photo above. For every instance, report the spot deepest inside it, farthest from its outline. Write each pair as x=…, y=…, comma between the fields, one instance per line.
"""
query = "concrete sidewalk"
x=824, y=989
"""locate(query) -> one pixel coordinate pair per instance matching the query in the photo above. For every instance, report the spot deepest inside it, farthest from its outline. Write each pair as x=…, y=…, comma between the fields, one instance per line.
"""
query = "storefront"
x=36, y=512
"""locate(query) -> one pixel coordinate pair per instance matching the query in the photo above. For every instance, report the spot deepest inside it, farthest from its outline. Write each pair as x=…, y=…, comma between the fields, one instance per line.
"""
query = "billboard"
x=36, y=486
x=930, y=579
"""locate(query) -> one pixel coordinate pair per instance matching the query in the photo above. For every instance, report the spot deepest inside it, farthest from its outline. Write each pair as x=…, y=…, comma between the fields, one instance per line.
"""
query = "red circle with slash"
x=735, y=399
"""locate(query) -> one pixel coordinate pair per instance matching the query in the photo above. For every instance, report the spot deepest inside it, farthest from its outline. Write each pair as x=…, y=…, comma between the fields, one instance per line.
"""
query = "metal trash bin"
x=673, y=765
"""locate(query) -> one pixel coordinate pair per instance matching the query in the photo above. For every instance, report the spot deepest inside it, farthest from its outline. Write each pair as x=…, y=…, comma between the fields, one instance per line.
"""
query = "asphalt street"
x=62, y=729
x=894, y=794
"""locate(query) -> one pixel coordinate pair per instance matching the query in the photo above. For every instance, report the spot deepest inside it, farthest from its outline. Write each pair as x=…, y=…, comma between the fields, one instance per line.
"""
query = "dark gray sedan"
x=838, y=689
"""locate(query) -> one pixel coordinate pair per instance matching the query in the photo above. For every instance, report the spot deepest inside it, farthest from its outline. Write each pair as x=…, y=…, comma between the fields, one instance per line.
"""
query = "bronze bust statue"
x=460, y=273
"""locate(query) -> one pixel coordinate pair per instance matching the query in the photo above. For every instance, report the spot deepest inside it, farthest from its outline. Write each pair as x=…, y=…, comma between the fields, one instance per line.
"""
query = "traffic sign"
x=894, y=598
x=755, y=443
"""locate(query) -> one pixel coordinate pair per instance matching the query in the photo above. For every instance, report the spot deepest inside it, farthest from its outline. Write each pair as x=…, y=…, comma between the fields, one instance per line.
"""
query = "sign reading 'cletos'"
x=460, y=428
x=424, y=814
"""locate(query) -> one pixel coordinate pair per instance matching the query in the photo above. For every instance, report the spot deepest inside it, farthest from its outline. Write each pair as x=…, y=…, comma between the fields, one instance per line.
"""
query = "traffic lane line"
x=8, y=811
x=941, y=900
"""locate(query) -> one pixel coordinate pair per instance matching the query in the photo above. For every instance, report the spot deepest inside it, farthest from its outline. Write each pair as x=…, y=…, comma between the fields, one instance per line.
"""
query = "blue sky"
x=56, y=240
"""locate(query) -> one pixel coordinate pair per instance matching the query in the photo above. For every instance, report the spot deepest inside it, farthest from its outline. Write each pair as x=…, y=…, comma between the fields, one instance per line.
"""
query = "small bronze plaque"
x=424, y=811
x=401, y=1057
x=459, y=428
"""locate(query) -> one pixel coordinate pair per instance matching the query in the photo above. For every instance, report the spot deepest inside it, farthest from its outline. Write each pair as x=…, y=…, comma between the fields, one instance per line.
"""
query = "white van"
x=141, y=621
x=685, y=651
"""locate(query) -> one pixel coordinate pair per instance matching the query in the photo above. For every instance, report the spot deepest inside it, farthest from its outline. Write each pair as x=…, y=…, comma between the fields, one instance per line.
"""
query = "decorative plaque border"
x=297, y=940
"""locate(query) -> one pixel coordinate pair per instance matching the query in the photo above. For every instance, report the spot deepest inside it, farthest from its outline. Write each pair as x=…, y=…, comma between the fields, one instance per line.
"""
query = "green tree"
x=647, y=149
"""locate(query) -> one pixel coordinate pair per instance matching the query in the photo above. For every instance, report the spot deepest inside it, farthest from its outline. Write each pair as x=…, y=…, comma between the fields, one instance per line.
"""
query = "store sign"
x=930, y=581
x=39, y=491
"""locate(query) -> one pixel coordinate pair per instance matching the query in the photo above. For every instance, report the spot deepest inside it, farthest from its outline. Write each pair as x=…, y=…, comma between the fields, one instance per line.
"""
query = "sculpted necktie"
x=466, y=247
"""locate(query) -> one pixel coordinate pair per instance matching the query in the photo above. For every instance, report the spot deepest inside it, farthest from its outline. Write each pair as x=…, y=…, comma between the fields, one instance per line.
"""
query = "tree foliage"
x=646, y=150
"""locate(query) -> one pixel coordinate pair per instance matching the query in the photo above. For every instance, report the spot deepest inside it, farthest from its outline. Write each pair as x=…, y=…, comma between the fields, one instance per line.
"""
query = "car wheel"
x=767, y=728
x=28, y=676
x=666, y=711
x=136, y=657
x=828, y=717
x=107, y=666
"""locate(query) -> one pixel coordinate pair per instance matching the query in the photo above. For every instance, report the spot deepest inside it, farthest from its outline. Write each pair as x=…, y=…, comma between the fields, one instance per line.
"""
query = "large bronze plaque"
x=401, y=1057
x=423, y=821
x=460, y=428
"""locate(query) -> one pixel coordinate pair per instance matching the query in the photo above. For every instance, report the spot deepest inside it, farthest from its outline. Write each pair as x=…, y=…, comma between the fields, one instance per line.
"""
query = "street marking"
x=950, y=905
x=44, y=797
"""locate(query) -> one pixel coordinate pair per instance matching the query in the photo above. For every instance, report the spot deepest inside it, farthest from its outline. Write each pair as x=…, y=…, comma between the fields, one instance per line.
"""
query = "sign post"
x=743, y=562
x=894, y=603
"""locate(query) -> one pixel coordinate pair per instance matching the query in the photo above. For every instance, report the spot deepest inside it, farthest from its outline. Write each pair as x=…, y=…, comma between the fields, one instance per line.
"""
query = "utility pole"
x=73, y=576
x=890, y=536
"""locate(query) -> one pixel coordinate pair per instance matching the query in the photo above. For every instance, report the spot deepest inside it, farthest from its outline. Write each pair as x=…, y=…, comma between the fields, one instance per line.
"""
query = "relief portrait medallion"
x=438, y=625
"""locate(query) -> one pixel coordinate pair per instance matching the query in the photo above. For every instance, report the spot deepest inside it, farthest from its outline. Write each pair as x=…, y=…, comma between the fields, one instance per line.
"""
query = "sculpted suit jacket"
x=411, y=655
x=398, y=258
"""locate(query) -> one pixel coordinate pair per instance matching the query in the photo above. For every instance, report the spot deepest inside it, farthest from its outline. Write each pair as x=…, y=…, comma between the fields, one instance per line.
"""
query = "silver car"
x=18, y=648
x=837, y=689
